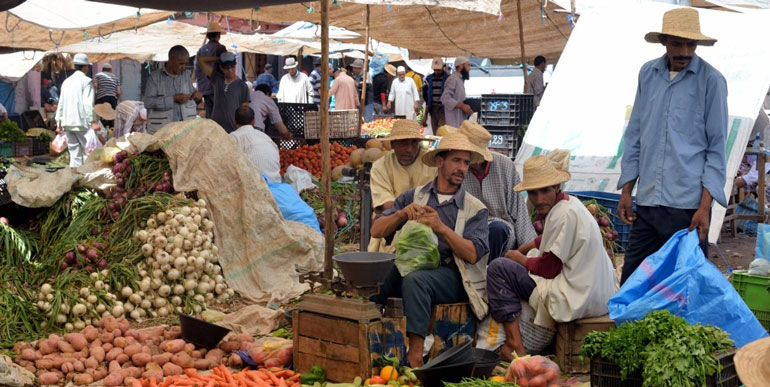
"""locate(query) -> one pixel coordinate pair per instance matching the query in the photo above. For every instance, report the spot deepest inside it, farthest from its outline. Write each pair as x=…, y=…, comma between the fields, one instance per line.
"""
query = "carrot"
x=211, y=383
x=136, y=383
x=152, y=382
x=254, y=375
x=228, y=375
x=167, y=382
x=296, y=384
x=273, y=378
x=282, y=383
x=294, y=378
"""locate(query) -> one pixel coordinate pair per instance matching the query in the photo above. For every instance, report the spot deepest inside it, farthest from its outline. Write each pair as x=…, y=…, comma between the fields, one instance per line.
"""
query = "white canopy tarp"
x=586, y=108
x=153, y=42
x=46, y=24
x=302, y=30
x=15, y=65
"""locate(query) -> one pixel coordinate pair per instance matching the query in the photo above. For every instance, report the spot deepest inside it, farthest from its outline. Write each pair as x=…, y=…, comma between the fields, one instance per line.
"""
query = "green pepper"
x=281, y=333
x=316, y=375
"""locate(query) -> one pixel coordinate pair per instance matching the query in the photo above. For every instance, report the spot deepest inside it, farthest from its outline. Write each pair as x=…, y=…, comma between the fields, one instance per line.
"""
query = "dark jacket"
x=427, y=96
x=380, y=86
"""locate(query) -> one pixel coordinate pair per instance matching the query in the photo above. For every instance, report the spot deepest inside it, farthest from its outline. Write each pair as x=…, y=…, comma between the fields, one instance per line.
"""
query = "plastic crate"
x=342, y=124
x=755, y=291
x=7, y=149
x=505, y=140
x=24, y=148
x=610, y=201
x=506, y=109
x=40, y=147
x=605, y=373
x=293, y=116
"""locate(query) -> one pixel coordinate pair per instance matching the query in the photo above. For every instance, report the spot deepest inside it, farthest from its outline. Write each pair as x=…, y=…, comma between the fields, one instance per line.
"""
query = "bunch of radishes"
x=181, y=269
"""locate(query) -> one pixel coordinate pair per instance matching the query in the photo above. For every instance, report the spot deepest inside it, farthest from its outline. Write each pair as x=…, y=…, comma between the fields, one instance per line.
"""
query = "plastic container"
x=437, y=376
x=40, y=147
x=457, y=354
x=364, y=268
x=605, y=373
x=7, y=149
x=293, y=116
x=201, y=333
x=505, y=139
x=24, y=148
x=755, y=292
x=506, y=109
x=486, y=361
x=610, y=201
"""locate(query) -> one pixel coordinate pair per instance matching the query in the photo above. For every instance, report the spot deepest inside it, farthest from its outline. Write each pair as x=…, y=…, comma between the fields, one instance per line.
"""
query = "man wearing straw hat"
x=295, y=86
x=674, y=145
x=211, y=49
x=460, y=222
x=564, y=275
x=492, y=182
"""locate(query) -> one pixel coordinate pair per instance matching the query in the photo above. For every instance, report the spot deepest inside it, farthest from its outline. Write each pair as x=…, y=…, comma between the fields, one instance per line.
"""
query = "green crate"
x=7, y=149
x=755, y=291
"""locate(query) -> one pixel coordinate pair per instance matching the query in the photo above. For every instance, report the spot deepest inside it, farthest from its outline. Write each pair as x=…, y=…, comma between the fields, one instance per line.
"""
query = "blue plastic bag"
x=679, y=278
x=292, y=206
x=762, y=249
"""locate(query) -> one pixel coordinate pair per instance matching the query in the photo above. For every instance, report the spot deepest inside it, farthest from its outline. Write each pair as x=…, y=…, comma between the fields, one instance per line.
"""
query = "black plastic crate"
x=298, y=142
x=5, y=196
x=506, y=109
x=293, y=116
x=40, y=147
x=605, y=373
x=505, y=139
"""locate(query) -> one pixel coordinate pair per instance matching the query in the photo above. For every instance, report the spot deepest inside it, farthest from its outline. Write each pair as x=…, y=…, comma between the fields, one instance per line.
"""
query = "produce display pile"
x=664, y=348
x=137, y=252
x=113, y=353
x=347, y=205
x=533, y=371
x=308, y=157
x=378, y=128
x=603, y=218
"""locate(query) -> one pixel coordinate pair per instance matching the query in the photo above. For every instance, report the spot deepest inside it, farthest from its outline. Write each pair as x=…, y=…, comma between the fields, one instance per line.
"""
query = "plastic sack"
x=292, y=206
x=760, y=267
x=491, y=334
x=92, y=142
x=416, y=249
x=298, y=178
x=533, y=371
x=762, y=249
x=680, y=279
x=59, y=144
x=272, y=352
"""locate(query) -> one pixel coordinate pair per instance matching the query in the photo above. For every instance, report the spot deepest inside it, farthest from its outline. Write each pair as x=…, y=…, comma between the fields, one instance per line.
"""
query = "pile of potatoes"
x=118, y=355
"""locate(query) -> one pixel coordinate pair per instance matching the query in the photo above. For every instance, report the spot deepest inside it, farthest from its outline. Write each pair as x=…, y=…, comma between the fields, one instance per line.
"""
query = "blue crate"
x=609, y=201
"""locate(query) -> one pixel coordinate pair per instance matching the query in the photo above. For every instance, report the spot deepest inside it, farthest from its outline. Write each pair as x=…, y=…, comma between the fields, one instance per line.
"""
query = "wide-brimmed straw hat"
x=214, y=27
x=752, y=362
x=560, y=159
x=478, y=136
x=404, y=130
x=390, y=69
x=539, y=172
x=683, y=23
x=453, y=142
x=105, y=111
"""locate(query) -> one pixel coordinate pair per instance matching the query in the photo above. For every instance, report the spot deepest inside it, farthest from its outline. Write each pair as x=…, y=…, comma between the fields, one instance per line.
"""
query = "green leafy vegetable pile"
x=665, y=348
x=416, y=249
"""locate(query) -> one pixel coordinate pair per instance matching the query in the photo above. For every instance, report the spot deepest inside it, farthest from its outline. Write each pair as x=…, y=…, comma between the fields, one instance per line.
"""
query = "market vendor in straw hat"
x=460, y=222
x=674, y=145
x=564, y=275
x=211, y=49
x=492, y=182
x=399, y=170
x=752, y=362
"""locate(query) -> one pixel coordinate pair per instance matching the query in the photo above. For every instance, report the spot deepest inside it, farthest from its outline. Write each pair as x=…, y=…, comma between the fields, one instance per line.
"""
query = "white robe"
x=406, y=95
x=295, y=89
x=587, y=281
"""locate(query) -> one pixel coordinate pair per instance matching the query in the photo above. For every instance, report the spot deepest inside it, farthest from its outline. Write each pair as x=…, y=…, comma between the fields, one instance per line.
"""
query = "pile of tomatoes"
x=308, y=157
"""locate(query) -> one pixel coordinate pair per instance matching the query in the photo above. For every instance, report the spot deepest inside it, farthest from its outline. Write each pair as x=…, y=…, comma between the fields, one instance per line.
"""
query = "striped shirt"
x=436, y=87
x=315, y=81
x=107, y=84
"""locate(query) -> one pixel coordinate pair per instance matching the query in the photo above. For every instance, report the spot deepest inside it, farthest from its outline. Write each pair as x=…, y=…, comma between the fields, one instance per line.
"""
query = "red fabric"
x=538, y=240
x=548, y=266
x=481, y=175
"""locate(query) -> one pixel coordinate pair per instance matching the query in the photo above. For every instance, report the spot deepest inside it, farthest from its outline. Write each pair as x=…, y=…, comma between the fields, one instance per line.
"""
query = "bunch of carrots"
x=223, y=377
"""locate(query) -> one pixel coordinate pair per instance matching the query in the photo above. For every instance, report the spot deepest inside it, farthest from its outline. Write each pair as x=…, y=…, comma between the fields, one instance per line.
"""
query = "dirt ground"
x=738, y=251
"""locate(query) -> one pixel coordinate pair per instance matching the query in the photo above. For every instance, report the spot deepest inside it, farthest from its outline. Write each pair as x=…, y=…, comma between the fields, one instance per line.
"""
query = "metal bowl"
x=201, y=333
x=365, y=269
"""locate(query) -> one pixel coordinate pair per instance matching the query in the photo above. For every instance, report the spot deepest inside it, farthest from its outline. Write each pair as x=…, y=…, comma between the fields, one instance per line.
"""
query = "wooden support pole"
x=521, y=43
x=326, y=169
x=365, y=72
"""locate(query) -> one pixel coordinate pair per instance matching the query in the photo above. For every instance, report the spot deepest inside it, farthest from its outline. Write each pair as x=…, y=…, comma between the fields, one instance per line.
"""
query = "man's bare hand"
x=197, y=96
x=467, y=109
x=413, y=211
x=286, y=135
x=429, y=217
x=700, y=220
x=626, y=209
x=517, y=256
x=58, y=130
x=181, y=98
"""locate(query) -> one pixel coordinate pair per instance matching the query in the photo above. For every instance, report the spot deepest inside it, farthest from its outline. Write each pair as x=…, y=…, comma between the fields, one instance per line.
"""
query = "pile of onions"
x=181, y=271
x=89, y=305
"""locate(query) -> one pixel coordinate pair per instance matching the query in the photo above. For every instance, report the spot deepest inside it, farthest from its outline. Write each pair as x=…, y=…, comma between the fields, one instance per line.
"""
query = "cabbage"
x=416, y=249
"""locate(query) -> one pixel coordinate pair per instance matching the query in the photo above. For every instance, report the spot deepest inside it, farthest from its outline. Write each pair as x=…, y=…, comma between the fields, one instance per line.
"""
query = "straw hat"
x=683, y=23
x=404, y=130
x=105, y=111
x=539, y=172
x=453, y=141
x=479, y=137
x=560, y=159
x=390, y=69
x=751, y=362
x=214, y=27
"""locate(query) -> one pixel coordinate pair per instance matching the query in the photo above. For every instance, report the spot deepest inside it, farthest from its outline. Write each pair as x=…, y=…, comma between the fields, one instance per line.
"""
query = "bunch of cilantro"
x=665, y=348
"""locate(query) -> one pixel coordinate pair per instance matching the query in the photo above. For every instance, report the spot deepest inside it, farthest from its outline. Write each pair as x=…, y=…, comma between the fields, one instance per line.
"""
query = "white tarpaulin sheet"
x=73, y=14
x=588, y=101
x=15, y=65
x=302, y=30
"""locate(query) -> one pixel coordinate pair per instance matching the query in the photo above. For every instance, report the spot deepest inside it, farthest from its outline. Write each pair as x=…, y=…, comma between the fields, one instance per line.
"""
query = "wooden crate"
x=345, y=348
x=569, y=338
x=451, y=324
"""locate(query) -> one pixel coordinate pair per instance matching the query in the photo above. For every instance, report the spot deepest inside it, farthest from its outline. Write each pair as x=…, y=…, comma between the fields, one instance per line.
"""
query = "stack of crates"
x=755, y=292
x=505, y=116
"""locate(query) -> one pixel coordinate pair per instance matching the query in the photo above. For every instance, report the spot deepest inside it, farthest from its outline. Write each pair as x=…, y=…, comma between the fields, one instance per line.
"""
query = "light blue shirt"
x=675, y=139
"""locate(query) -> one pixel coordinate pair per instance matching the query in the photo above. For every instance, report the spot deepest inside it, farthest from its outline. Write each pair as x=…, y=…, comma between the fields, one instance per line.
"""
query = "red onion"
x=70, y=257
x=98, y=246
x=603, y=221
x=115, y=214
x=82, y=248
x=102, y=264
x=92, y=255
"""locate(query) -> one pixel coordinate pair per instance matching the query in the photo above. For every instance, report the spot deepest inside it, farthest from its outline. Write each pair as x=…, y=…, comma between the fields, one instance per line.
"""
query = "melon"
x=337, y=172
x=356, y=157
x=372, y=154
x=374, y=143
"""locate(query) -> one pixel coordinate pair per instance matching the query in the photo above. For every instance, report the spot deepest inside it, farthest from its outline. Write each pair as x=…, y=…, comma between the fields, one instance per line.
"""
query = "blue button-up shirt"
x=675, y=139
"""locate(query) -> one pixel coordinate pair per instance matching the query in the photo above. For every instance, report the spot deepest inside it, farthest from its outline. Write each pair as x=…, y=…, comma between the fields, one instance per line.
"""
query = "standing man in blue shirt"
x=267, y=78
x=674, y=145
x=213, y=49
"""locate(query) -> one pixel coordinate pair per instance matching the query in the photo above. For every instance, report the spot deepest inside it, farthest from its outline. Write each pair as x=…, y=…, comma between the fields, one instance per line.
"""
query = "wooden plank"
x=295, y=340
x=329, y=329
x=364, y=356
x=336, y=371
x=351, y=309
x=332, y=351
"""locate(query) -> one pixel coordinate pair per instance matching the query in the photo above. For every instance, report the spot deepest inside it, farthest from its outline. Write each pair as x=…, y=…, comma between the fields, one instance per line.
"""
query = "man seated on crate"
x=258, y=147
x=460, y=222
x=492, y=182
x=399, y=170
x=565, y=274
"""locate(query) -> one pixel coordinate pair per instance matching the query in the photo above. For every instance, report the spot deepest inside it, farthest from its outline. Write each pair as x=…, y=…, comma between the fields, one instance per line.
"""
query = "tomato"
x=376, y=379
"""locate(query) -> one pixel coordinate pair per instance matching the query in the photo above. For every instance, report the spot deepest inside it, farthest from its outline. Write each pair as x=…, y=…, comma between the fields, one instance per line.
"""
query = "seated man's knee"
x=499, y=229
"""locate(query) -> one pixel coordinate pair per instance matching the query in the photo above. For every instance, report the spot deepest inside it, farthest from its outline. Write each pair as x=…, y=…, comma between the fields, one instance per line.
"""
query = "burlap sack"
x=35, y=188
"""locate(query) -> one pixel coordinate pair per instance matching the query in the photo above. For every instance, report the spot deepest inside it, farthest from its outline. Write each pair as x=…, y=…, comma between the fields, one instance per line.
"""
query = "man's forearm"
x=705, y=200
x=386, y=225
x=462, y=247
x=628, y=188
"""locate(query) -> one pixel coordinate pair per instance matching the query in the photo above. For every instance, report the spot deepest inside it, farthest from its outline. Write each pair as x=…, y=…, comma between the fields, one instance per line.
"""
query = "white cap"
x=437, y=63
x=459, y=61
x=81, y=60
x=400, y=69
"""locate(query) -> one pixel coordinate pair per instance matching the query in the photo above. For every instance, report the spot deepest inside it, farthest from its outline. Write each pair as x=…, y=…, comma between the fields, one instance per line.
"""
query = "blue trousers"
x=507, y=283
x=421, y=290
x=498, y=240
